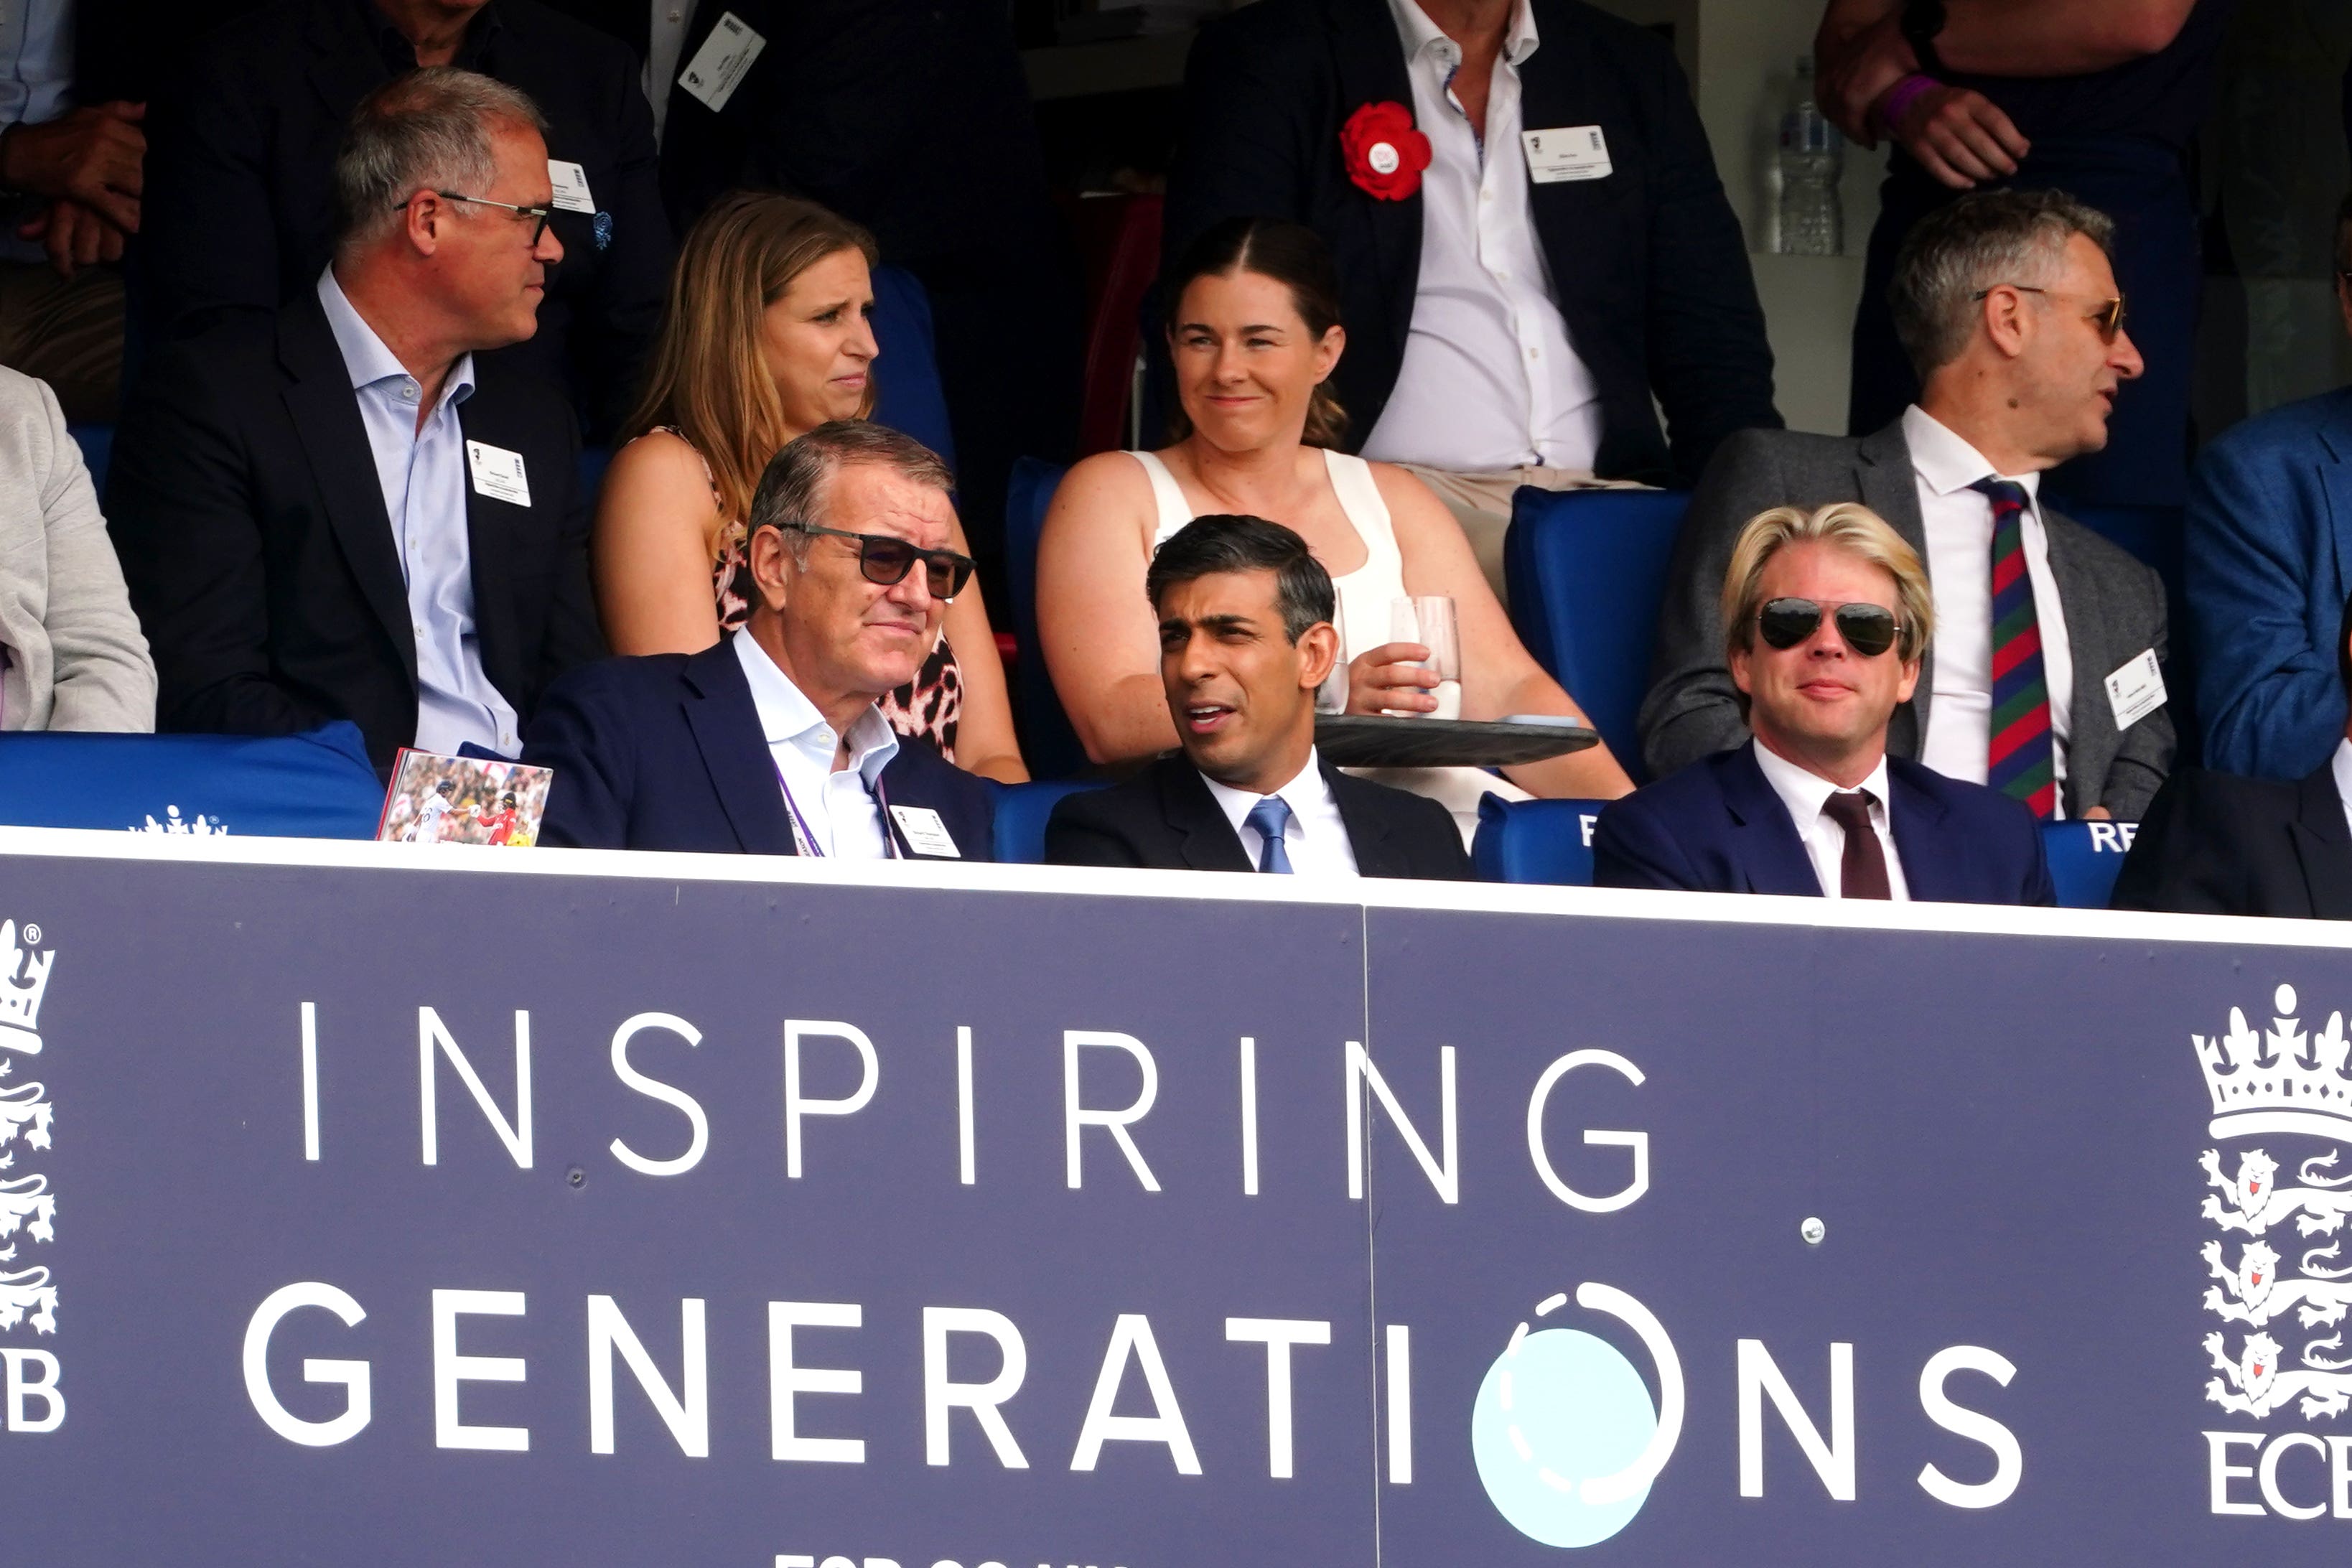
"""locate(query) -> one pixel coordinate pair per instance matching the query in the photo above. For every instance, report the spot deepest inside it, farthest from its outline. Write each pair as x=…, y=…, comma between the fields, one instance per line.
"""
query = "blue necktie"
x=1270, y=816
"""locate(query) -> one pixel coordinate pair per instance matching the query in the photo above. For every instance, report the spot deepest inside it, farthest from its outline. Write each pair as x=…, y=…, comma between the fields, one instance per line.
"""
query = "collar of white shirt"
x=1804, y=793
x=366, y=358
x=1420, y=34
x=787, y=716
x=1316, y=838
x=2341, y=766
x=1948, y=464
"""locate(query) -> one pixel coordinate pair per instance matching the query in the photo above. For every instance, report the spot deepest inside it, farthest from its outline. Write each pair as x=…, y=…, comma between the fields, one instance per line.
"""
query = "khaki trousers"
x=68, y=334
x=1481, y=503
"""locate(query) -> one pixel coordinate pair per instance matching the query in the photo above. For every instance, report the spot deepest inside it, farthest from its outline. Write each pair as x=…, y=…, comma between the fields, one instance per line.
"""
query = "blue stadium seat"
x=313, y=786
x=1023, y=809
x=97, y=444
x=1587, y=570
x=2084, y=859
x=909, y=397
x=1535, y=841
x=1048, y=744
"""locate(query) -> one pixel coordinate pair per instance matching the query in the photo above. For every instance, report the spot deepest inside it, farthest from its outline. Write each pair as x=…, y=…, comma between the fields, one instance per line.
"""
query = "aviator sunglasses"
x=1868, y=630
x=886, y=560
x=2108, y=318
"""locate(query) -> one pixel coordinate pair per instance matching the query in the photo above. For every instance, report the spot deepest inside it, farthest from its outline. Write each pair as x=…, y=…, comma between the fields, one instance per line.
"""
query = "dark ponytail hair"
x=1295, y=257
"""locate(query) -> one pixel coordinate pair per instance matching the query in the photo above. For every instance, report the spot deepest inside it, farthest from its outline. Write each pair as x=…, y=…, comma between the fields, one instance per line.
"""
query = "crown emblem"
x=24, y=975
x=2281, y=1079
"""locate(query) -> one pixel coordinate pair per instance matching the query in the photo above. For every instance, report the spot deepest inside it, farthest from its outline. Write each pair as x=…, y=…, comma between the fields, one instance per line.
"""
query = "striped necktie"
x=2020, y=763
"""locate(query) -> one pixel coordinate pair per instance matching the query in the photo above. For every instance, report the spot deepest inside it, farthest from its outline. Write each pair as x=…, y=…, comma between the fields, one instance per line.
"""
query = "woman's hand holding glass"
x=1393, y=678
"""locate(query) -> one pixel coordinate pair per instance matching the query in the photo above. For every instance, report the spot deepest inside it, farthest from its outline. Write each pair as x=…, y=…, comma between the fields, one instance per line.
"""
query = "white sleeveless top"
x=1365, y=596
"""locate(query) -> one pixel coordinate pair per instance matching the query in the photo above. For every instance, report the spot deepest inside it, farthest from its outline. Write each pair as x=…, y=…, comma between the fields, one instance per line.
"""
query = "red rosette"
x=1383, y=154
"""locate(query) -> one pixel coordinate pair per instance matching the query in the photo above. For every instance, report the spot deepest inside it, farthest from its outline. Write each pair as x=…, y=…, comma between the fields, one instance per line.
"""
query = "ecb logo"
x=1566, y=1439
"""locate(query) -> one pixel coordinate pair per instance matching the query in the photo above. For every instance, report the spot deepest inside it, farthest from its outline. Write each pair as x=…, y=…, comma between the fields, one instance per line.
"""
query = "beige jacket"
x=76, y=660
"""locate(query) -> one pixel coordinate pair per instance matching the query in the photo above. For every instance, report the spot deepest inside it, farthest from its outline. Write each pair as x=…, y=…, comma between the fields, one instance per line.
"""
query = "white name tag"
x=498, y=473
x=1567, y=153
x=924, y=832
x=2137, y=690
x=571, y=183
x=718, y=67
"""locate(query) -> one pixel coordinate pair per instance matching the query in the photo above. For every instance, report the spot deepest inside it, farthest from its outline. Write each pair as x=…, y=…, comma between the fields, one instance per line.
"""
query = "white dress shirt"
x=841, y=810
x=665, y=46
x=1958, y=523
x=1489, y=379
x=2341, y=766
x=1804, y=793
x=424, y=480
x=1316, y=839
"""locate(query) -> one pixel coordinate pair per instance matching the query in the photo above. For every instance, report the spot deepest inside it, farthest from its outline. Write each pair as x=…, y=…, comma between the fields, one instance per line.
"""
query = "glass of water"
x=1429, y=620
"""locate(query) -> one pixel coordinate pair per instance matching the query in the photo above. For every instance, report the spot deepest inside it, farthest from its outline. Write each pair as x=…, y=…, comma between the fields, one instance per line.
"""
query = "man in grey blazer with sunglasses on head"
x=2045, y=682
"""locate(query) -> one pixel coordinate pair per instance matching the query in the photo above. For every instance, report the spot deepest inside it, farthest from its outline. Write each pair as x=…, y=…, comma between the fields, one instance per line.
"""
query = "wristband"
x=1895, y=99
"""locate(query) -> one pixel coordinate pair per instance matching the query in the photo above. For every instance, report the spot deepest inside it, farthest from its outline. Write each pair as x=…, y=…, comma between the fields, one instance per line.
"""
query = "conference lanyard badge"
x=1567, y=153
x=718, y=67
x=498, y=473
x=925, y=833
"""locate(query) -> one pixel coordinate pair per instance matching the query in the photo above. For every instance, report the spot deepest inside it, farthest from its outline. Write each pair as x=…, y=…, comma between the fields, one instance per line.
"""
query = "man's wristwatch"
x=1922, y=20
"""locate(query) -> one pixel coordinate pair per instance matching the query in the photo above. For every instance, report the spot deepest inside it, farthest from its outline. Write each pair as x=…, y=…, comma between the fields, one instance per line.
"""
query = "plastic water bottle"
x=1812, y=155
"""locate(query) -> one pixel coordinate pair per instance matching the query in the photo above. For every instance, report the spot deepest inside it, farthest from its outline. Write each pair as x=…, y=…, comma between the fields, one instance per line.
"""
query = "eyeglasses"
x=2108, y=318
x=538, y=215
x=886, y=559
x=1868, y=630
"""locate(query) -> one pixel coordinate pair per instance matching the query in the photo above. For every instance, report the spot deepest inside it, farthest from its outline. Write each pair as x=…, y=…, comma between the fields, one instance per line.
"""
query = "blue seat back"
x=1535, y=841
x=2085, y=858
x=314, y=785
x=1023, y=809
x=97, y=444
x=1048, y=744
x=909, y=397
x=1587, y=570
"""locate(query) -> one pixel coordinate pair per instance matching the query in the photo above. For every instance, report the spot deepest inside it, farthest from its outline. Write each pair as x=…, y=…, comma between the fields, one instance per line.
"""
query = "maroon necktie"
x=1862, y=873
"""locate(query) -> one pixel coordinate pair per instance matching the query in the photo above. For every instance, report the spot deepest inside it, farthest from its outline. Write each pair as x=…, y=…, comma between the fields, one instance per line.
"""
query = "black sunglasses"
x=1868, y=630
x=886, y=560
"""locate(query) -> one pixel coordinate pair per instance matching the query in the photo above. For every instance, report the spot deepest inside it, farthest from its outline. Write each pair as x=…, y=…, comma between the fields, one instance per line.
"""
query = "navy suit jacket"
x=1717, y=826
x=2268, y=547
x=1647, y=264
x=666, y=752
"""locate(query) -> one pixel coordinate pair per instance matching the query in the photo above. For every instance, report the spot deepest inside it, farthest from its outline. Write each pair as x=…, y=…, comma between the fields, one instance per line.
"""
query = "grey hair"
x=795, y=486
x=1976, y=243
x=428, y=130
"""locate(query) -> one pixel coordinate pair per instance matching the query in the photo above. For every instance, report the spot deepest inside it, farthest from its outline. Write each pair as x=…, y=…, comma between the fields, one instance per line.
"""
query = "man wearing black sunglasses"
x=770, y=742
x=2043, y=683
x=1829, y=617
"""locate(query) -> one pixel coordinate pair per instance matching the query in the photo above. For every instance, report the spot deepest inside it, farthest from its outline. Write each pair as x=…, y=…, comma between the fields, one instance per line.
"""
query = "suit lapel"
x=1204, y=839
x=1916, y=817
x=1368, y=836
x=1771, y=854
x=726, y=725
x=1883, y=479
x=2336, y=482
x=1371, y=69
x=2324, y=844
x=326, y=415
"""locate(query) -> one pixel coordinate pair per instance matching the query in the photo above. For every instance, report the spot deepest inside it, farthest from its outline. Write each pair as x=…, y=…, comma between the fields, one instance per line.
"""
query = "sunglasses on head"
x=886, y=560
x=1868, y=630
x=2108, y=318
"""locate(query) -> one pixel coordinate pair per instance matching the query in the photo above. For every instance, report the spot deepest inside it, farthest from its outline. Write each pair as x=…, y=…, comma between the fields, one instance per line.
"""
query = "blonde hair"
x=1849, y=526
x=708, y=378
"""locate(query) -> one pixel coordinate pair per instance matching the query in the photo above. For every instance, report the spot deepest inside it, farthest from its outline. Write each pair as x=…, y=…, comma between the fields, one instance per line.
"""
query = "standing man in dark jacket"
x=349, y=508
x=240, y=209
x=1531, y=238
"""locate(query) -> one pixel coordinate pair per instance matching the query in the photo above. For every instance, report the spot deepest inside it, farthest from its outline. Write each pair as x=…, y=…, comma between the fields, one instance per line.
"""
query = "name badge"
x=498, y=473
x=718, y=67
x=1567, y=153
x=924, y=832
x=2137, y=690
x=571, y=183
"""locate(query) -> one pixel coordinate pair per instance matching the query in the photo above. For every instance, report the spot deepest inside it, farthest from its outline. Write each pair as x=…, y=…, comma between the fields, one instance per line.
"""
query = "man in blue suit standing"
x=770, y=742
x=2269, y=563
x=1827, y=615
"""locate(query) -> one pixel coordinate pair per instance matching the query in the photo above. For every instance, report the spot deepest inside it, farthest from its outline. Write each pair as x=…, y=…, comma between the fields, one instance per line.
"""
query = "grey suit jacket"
x=2114, y=604
x=76, y=660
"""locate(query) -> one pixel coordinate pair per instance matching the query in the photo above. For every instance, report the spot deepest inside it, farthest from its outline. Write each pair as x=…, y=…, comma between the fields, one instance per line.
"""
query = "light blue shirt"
x=423, y=475
x=841, y=811
x=37, y=60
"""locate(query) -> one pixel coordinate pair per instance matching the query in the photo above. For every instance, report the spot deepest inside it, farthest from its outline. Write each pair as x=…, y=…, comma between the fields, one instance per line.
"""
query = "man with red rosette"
x=1531, y=238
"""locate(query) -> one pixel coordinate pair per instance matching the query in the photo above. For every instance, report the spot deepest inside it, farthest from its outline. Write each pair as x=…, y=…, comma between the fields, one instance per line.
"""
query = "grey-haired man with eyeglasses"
x=342, y=512
x=772, y=741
